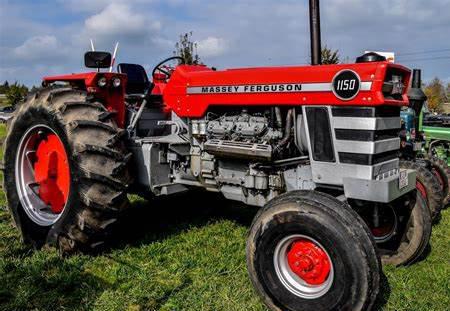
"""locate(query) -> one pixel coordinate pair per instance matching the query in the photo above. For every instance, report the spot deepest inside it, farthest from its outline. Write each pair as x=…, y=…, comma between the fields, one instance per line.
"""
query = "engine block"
x=242, y=127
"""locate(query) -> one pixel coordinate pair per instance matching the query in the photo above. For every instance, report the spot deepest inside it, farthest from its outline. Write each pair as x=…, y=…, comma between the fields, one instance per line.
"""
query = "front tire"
x=308, y=251
x=65, y=170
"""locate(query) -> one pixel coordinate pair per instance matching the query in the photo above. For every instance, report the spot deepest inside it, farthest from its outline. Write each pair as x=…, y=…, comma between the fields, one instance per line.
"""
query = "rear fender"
x=113, y=98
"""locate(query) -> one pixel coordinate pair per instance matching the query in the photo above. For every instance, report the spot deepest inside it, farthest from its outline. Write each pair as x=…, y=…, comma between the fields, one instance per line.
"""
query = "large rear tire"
x=428, y=185
x=308, y=251
x=65, y=170
x=441, y=170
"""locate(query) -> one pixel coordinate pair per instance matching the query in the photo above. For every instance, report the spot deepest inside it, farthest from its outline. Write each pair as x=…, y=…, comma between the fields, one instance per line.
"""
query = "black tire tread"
x=103, y=187
x=431, y=184
x=444, y=171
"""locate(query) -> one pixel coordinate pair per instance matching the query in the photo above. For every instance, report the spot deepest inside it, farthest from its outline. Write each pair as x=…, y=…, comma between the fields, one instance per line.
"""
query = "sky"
x=42, y=37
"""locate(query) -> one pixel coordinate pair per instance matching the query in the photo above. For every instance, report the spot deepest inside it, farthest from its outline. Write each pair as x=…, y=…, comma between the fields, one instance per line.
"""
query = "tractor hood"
x=192, y=89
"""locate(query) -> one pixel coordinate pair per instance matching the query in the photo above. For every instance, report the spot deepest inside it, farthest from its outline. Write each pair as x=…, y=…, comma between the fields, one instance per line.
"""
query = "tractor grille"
x=364, y=140
x=366, y=135
x=366, y=112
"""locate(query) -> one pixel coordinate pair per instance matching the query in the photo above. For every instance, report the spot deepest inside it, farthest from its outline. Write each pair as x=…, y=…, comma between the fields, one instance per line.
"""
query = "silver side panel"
x=334, y=173
x=299, y=178
x=366, y=123
x=367, y=147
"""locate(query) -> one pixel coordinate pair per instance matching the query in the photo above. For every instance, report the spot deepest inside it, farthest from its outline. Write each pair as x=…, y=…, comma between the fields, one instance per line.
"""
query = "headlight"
x=102, y=82
x=116, y=82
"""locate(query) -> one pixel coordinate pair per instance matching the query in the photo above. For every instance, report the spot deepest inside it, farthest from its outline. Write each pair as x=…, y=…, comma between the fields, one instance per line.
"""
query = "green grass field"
x=186, y=253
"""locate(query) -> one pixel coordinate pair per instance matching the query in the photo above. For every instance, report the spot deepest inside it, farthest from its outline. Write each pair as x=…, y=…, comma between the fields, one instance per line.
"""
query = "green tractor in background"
x=425, y=142
x=436, y=129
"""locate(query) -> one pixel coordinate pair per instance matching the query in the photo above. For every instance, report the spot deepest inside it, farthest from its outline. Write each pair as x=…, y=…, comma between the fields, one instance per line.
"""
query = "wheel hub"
x=309, y=262
x=382, y=221
x=52, y=172
x=303, y=266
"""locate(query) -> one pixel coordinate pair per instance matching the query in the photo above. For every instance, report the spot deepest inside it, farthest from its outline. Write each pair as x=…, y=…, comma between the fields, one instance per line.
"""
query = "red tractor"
x=316, y=147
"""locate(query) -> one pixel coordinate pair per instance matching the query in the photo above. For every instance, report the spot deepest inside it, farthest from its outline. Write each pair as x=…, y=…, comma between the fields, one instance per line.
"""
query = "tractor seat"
x=138, y=82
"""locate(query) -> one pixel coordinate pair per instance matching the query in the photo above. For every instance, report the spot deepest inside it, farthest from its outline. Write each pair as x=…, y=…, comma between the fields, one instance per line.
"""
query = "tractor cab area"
x=143, y=101
x=138, y=83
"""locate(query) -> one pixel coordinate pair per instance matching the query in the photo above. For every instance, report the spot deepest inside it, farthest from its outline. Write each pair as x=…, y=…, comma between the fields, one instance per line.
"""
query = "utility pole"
x=314, y=28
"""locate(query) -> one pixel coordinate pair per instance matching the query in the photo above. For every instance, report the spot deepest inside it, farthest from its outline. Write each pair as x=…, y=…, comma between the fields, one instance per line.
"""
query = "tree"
x=187, y=49
x=4, y=87
x=436, y=94
x=448, y=92
x=16, y=93
x=329, y=56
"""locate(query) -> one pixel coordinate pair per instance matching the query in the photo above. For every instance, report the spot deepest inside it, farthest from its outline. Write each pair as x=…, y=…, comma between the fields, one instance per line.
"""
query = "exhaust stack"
x=314, y=28
x=416, y=96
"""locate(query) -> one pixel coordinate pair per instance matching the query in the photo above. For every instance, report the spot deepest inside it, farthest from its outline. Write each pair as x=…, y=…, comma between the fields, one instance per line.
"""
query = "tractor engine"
x=240, y=127
x=241, y=134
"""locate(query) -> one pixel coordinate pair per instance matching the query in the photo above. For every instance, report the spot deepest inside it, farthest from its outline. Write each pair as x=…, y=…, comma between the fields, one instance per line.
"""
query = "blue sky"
x=40, y=37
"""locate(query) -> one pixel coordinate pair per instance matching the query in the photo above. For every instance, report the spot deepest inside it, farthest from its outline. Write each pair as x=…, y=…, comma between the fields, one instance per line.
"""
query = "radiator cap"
x=370, y=58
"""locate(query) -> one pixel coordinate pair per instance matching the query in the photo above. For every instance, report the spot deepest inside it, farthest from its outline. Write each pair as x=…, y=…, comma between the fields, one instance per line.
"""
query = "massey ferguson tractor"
x=316, y=147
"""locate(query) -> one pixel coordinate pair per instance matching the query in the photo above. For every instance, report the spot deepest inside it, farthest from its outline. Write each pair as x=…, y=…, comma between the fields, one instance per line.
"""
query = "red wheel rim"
x=52, y=172
x=309, y=261
x=42, y=174
x=421, y=188
x=303, y=266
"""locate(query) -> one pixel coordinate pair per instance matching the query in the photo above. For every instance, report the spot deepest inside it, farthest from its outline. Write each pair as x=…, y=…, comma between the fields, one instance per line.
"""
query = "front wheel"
x=308, y=251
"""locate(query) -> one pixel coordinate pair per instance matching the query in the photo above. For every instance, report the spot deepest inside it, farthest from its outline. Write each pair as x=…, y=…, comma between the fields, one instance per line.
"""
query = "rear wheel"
x=428, y=185
x=441, y=170
x=308, y=251
x=65, y=170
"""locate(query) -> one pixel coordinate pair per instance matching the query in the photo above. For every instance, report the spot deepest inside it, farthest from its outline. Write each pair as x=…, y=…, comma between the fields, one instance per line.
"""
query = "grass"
x=182, y=254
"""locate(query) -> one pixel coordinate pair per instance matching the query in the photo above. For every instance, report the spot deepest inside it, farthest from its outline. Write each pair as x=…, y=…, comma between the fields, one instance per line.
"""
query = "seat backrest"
x=138, y=81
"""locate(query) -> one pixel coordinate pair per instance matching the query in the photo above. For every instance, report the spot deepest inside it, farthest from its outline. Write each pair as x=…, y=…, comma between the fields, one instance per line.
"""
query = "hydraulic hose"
x=287, y=129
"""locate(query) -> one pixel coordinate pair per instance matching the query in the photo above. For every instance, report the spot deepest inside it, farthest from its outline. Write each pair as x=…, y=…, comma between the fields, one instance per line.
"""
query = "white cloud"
x=118, y=19
x=119, y=22
x=211, y=46
x=97, y=5
x=38, y=47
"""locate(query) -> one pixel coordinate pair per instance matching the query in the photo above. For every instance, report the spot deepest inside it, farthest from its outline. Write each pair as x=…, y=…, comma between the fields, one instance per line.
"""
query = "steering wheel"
x=160, y=67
